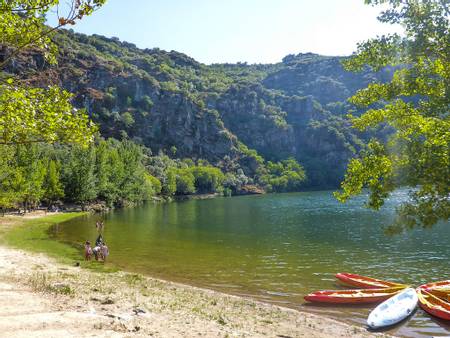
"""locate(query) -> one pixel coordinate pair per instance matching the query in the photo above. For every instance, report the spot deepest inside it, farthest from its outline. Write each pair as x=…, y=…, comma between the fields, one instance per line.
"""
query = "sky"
x=253, y=31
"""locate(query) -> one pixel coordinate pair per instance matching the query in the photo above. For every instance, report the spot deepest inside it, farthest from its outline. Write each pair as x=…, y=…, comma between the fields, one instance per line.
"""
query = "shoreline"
x=132, y=304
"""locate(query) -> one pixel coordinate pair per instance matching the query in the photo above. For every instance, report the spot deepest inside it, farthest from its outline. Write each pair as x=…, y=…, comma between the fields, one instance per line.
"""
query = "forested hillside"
x=255, y=123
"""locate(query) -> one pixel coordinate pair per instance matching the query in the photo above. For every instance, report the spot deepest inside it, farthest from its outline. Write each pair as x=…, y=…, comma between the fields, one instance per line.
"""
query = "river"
x=275, y=248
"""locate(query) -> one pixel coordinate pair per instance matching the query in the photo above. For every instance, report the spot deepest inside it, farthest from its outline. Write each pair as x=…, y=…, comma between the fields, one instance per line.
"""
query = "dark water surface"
x=275, y=248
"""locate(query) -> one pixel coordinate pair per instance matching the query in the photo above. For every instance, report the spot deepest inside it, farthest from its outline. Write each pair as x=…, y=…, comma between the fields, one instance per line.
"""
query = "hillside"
x=221, y=113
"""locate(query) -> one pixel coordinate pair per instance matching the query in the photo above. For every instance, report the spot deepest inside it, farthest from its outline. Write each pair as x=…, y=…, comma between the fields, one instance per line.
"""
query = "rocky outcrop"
x=169, y=102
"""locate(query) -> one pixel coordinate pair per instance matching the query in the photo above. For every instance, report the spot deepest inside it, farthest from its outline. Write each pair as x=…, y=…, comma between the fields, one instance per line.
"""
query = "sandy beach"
x=41, y=297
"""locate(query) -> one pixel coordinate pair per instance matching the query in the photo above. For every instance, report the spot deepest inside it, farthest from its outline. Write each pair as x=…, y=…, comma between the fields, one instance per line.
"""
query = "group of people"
x=100, y=251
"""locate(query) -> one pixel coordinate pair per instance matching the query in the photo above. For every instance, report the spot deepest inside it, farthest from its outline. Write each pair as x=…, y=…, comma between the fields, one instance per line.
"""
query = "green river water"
x=275, y=248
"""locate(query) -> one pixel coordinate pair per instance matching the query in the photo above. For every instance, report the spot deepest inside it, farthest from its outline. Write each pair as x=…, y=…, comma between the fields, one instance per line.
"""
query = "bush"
x=208, y=179
x=283, y=176
x=154, y=183
x=127, y=119
x=184, y=182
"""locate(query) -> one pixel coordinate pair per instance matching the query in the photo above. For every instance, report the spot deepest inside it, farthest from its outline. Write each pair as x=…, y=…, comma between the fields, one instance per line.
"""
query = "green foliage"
x=133, y=186
x=31, y=115
x=415, y=103
x=110, y=171
x=78, y=174
x=120, y=173
x=154, y=184
x=127, y=119
x=170, y=184
x=184, y=182
x=207, y=179
x=183, y=177
x=161, y=168
x=8, y=197
x=31, y=174
x=53, y=188
x=169, y=86
x=283, y=176
x=146, y=102
x=233, y=183
x=22, y=22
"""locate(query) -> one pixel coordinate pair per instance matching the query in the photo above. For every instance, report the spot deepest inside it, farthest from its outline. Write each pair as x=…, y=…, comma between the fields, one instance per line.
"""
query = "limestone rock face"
x=169, y=102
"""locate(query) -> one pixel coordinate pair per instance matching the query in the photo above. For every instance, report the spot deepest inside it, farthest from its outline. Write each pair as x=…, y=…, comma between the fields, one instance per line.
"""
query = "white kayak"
x=393, y=310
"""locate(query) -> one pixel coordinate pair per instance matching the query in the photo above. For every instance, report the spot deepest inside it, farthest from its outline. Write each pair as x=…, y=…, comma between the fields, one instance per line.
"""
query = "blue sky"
x=254, y=31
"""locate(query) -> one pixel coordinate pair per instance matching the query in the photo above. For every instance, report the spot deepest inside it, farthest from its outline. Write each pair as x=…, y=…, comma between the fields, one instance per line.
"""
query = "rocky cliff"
x=169, y=102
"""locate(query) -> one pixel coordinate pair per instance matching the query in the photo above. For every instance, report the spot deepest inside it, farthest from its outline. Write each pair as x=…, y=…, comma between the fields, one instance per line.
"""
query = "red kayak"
x=365, y=282
x=439, y=289
x=433, y=305
x=353, y=296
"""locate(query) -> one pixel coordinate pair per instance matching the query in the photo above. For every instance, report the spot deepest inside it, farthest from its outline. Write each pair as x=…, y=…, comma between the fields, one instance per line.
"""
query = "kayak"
x=438, y=289
x=443, y=294
x=433, y=305
x=353, y=296
x=364, y=282
x=393, y=310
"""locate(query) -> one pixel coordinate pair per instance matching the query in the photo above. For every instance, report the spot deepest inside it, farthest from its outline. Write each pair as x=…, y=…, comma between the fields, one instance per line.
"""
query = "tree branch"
x=23, y=46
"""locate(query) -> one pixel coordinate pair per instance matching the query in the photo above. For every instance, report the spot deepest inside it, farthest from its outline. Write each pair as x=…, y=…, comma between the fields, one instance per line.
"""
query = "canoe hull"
x=352, y=279
x=338, y=300
x=363, y=296
x=439, y=289
x=393, y=310
x=433, y=305
x=436, y=285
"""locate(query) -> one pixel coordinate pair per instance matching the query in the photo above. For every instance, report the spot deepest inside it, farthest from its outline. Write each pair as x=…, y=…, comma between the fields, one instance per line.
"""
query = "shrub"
x=208, y=179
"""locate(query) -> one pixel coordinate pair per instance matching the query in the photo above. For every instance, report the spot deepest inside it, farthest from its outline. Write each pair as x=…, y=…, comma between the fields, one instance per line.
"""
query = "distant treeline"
x=119, y=173
x=110, y=171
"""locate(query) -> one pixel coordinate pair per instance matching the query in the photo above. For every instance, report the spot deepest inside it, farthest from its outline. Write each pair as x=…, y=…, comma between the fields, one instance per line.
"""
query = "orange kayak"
x=433, y=305
x=353, y=296
x=365, y=282
x=438, y=289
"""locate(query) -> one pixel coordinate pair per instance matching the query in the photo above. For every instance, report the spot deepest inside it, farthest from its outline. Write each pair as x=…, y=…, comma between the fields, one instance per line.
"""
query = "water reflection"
x=274, y=248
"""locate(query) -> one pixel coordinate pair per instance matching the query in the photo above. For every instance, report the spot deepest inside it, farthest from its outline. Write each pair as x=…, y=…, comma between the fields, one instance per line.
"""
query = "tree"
x=153, y=183
x=416, y=104
x=285, y=176
x=79, y=174
x=208, y=179
x=132, y=187
x=53, y=188
x=184, y=182
x=121, y=177
x=29, y=114
x=29, y=173
x=127, y=119
x=169, y=186
x=8, y=178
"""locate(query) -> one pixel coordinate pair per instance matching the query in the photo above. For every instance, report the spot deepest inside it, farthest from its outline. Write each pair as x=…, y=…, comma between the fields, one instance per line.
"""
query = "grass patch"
x=42, y=282
x=134, y=279
x=33, y=235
